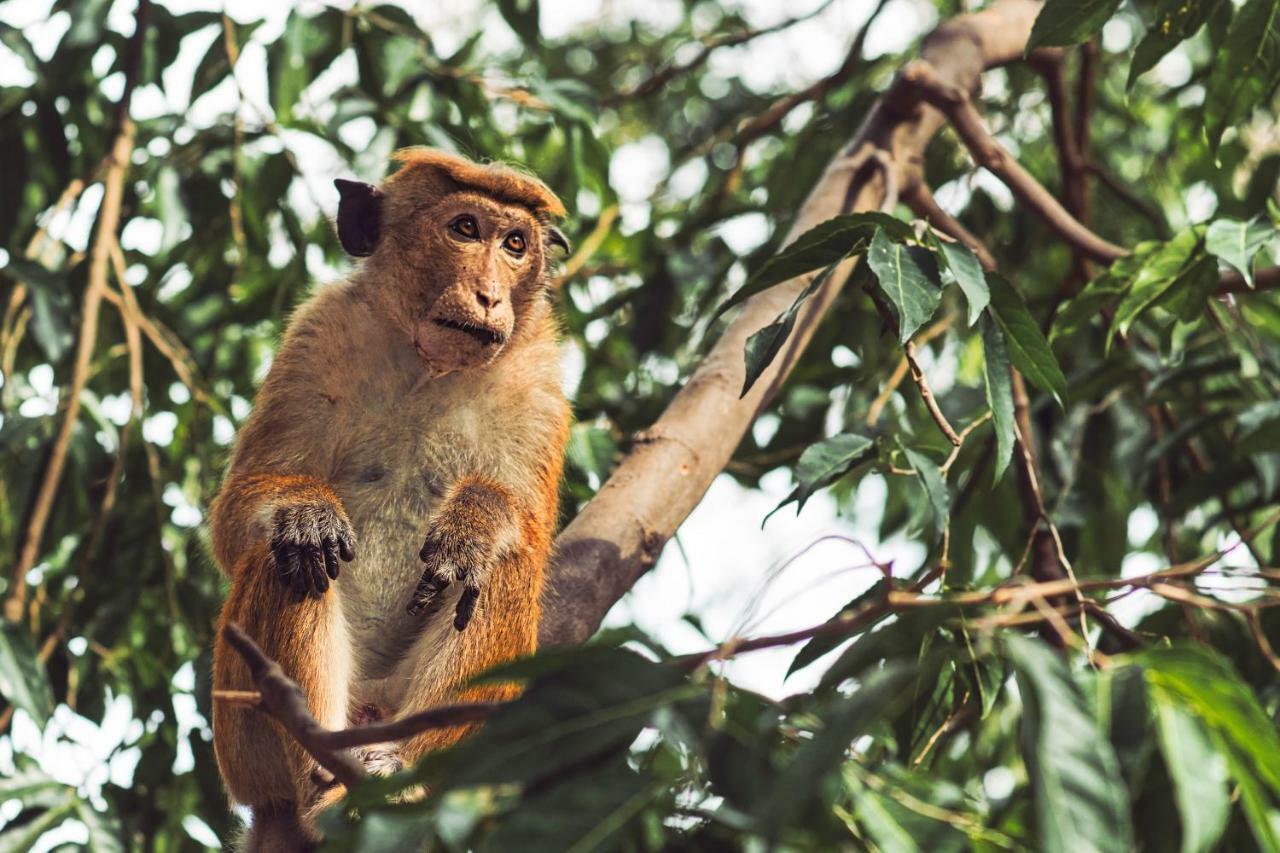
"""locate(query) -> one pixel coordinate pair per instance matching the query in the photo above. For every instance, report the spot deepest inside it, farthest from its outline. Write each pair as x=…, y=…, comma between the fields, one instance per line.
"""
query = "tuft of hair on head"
x=495, y=179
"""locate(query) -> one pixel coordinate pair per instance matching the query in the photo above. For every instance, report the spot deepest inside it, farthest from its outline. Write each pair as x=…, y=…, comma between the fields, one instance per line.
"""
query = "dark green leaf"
x=821, y=644
x=1163, y=272
x=827, y=461
x=765, y=344
x=820, y=246
x=1247, y=68
x=908, y=276
x=999, y=385
x=1027, y=348
x=1080, y=800
x=521, y=16
x=935, y=488
x=1066, y=22
x=22, y=679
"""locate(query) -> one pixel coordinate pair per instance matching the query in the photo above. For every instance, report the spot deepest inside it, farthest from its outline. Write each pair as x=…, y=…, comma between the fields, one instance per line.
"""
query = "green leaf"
x=908, y=276
x=999, y=385
x=964, y=267
x=1260, y=427
x=1081, y=802
x=22, y=679
x=1237, y=243
x=820, y=246
x=216, y=65
x=522, y=17
x=827, y=461
x=878, y=697
x=820, y=644
x=1199, y=775
x=1066, y=22
x=51, y=307
x=1175, y=21
x=1246, y=70
x=765, y=344
x=585, y=812
x=1027, y=348
x=1104, y=291
x=307, y=47
x=904, y=638
x=1172, y=266
x=935, y=488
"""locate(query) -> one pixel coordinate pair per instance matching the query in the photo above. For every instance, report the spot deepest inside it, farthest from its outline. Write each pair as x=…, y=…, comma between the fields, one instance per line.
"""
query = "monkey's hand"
x=453, y=556
x=307, y=540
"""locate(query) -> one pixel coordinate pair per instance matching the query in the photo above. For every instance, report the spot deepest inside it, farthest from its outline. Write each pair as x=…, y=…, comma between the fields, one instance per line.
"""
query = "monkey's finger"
x=331, y=558
x=466, y=607
x=315, y=568
x=346, y=547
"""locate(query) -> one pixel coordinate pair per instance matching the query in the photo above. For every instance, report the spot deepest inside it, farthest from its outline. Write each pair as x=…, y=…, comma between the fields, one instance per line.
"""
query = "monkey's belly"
x=376, y=588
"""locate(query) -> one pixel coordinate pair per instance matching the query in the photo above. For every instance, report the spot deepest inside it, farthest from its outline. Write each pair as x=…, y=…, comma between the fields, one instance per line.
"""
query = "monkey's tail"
x=277, y=829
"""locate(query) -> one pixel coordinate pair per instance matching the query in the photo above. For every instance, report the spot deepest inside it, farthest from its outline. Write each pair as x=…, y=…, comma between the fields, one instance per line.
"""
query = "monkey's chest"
x=391, y=478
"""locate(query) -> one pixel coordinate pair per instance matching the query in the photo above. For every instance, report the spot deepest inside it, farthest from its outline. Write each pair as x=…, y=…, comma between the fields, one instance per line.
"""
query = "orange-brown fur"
x=413, y=433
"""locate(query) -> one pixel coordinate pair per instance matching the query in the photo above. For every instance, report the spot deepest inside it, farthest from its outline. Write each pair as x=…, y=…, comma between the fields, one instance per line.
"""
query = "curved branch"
x=618, y=535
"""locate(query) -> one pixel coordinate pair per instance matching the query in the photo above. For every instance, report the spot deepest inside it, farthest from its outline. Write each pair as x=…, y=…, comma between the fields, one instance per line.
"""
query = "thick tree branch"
x=618, y=536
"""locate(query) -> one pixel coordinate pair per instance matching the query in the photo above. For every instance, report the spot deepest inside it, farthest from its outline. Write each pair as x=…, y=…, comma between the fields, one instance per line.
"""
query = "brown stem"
x=42, y=506
x=955, y=102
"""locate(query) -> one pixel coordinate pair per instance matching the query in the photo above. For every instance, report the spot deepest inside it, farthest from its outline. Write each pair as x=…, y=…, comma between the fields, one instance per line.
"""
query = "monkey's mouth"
x=483, y=334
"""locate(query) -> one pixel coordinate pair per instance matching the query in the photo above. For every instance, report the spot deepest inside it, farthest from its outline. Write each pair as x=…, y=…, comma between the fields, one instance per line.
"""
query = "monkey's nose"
x=488, y=299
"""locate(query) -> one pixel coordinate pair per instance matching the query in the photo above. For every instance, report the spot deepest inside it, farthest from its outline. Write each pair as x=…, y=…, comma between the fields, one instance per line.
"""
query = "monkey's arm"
x=275, y=491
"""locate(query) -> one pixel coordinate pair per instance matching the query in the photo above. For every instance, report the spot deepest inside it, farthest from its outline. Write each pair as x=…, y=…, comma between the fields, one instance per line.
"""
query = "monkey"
x=388, y=509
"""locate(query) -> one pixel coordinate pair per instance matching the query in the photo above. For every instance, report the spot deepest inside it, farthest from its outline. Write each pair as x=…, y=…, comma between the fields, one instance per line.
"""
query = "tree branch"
x=620, y=533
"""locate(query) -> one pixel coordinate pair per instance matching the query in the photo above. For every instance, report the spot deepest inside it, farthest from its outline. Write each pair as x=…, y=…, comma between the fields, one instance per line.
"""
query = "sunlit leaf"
x=1199, y=776
x=1238, y=243
x=1067, y=22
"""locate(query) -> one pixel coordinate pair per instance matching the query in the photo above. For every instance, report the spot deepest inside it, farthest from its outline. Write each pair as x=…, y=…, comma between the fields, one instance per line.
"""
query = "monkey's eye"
x=466, y=226
x=514, y=243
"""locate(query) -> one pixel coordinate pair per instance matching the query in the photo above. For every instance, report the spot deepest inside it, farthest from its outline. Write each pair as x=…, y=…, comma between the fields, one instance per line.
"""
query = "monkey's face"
x=481, y=263
x=458, y=252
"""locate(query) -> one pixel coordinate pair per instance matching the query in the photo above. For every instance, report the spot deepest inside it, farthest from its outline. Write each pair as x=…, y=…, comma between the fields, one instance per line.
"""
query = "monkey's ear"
x=555, y=237
x=359, y=217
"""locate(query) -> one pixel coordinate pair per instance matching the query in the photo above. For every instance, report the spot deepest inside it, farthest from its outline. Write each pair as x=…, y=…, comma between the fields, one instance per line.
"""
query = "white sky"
x=730, y=577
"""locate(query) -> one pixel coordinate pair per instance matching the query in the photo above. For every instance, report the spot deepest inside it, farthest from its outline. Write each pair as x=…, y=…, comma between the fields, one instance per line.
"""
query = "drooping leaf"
x=216, y=63
x=1174, y=21
x=765, y=344
x=1247, y=68
x=964, y=267
x=1066, y=22
x=1238, y=243
x=935, y=488
x=1080, y=800
x=820, y=246
x=908, y=276
x=1027, y=348
x=905, y=638
x=22, y=680
x=827, y=461
x=999, y=386
x=1199, y=775
x=820, y=644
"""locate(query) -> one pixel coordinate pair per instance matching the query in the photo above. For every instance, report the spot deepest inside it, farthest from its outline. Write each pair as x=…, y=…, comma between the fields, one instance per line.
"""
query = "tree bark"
x=619, y=535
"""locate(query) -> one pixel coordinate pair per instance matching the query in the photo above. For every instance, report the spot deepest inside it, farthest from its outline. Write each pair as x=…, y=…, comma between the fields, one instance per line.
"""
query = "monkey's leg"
x=262, y=766
x=443, y=658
